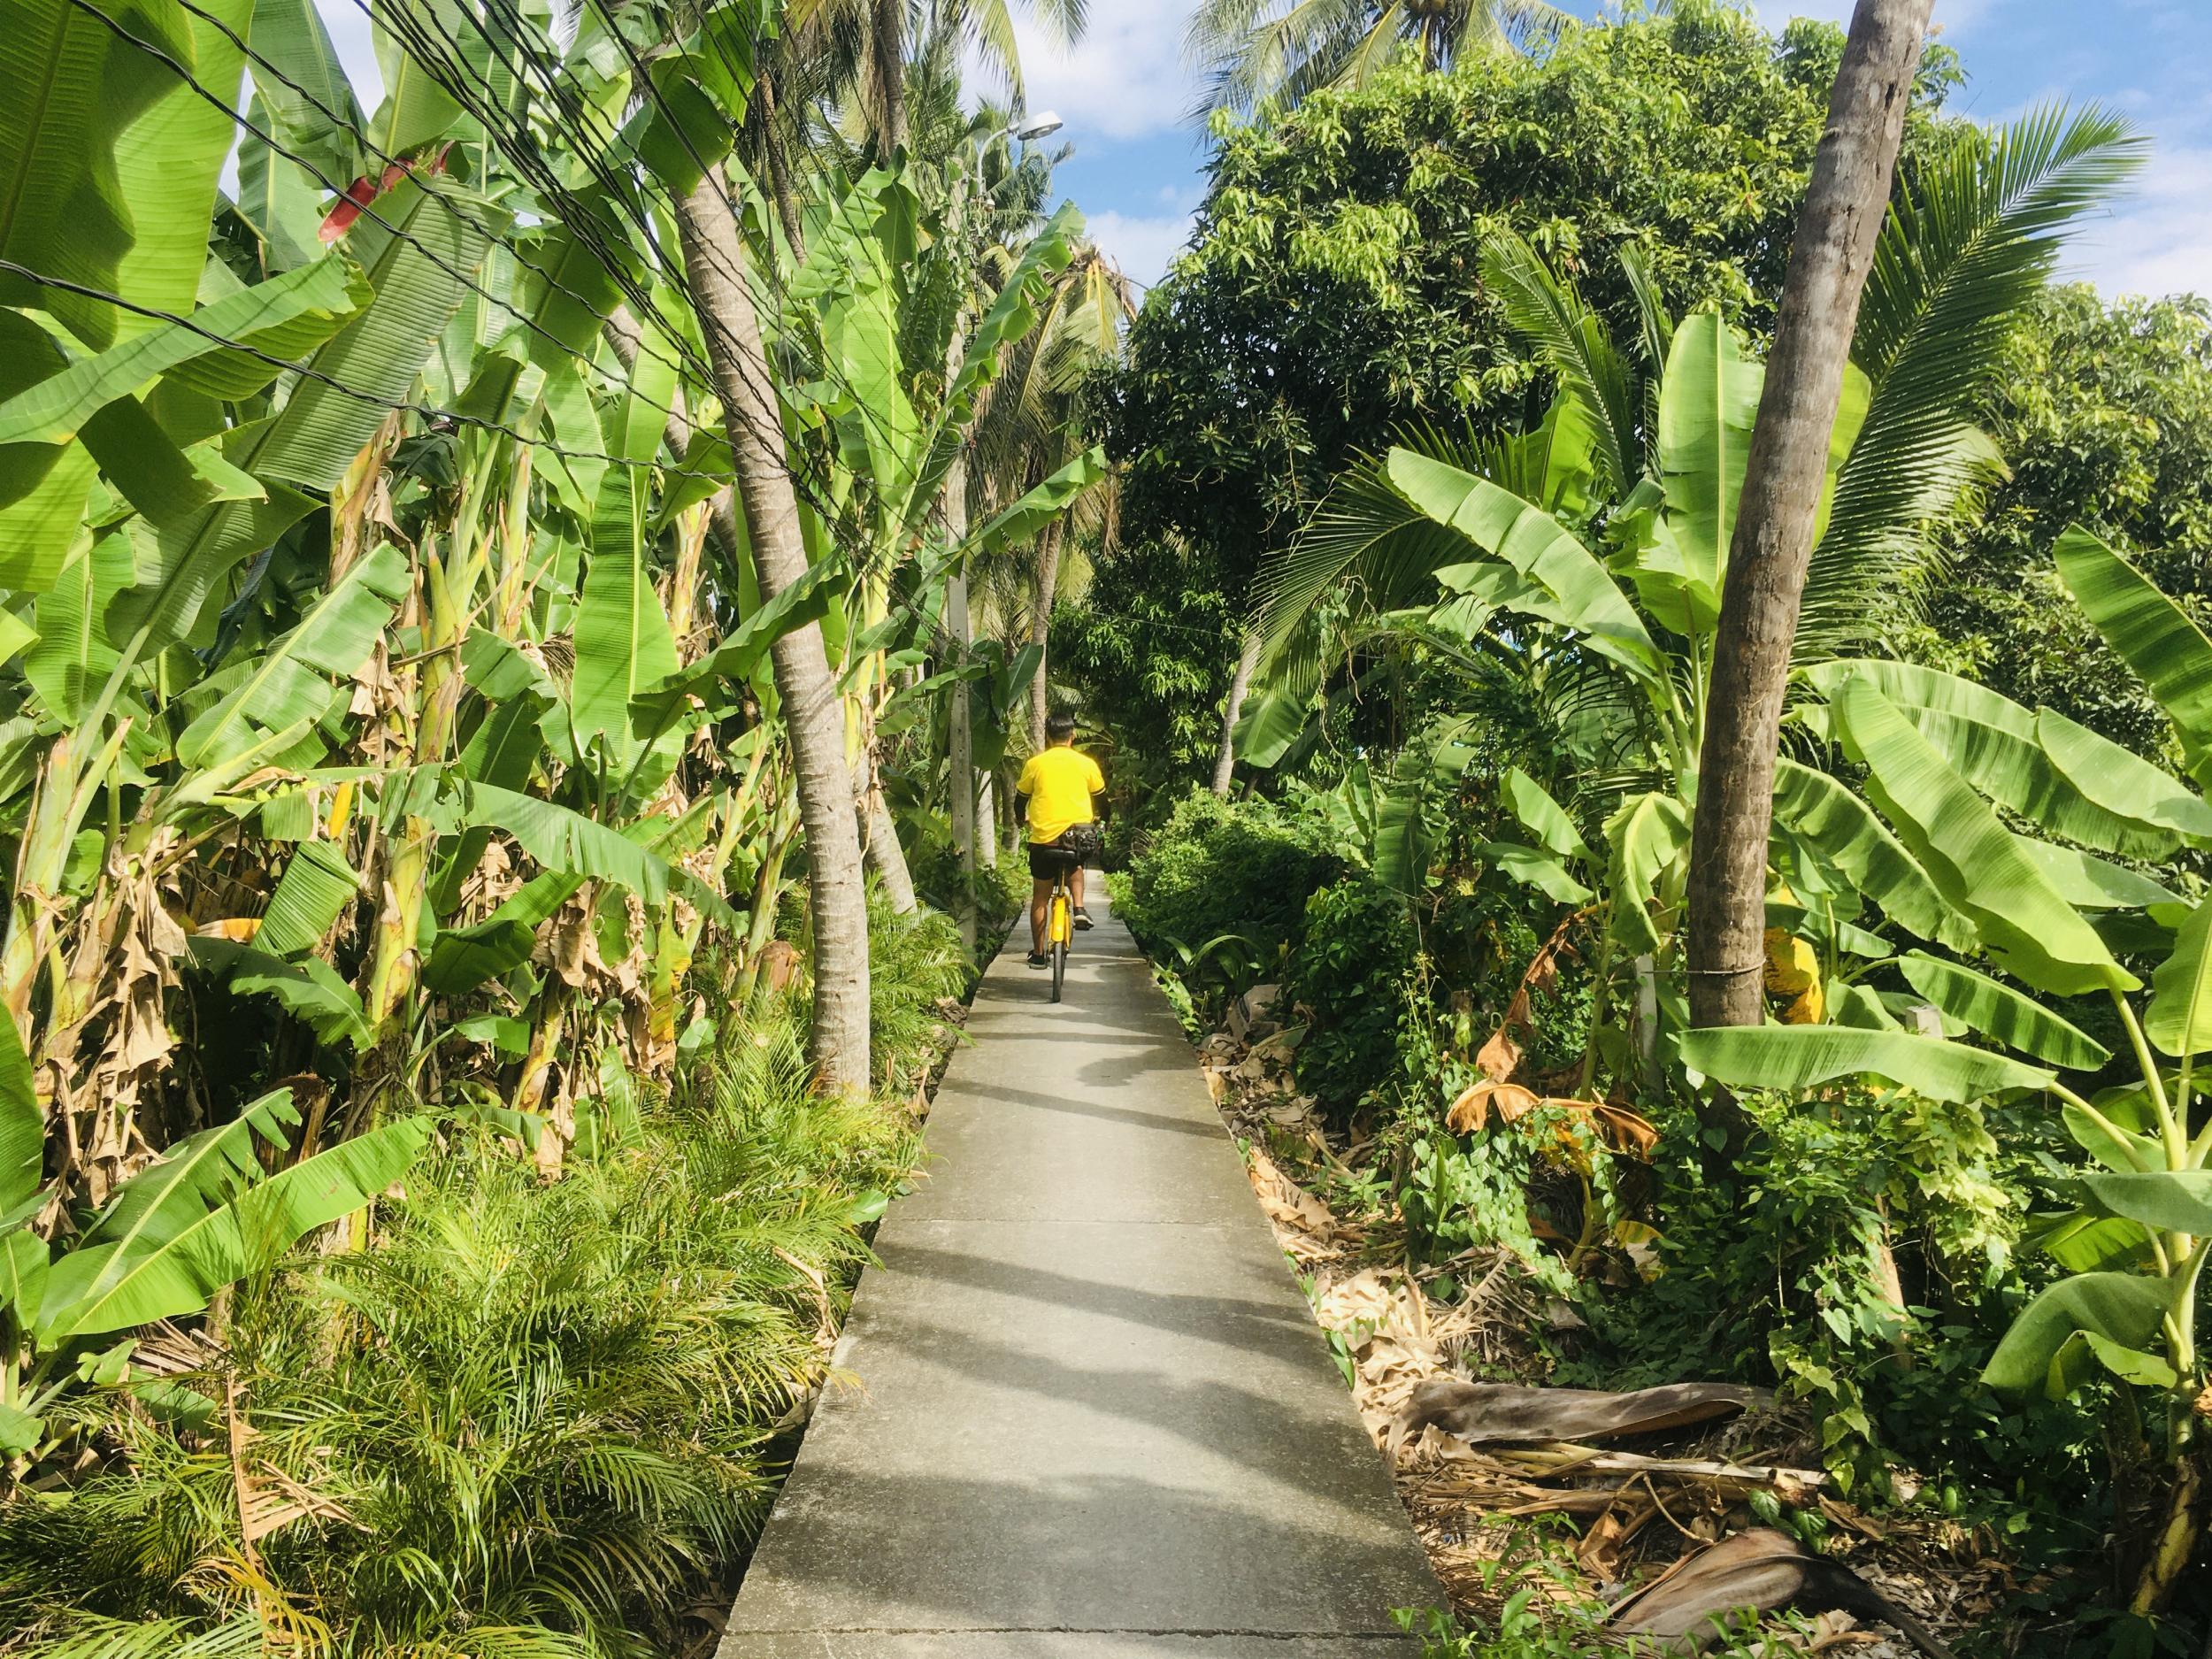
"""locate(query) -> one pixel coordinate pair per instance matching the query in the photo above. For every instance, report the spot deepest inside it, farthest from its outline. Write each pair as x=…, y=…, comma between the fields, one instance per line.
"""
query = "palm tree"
x=1256, y=51
x=1030, y=429
x=866, y=46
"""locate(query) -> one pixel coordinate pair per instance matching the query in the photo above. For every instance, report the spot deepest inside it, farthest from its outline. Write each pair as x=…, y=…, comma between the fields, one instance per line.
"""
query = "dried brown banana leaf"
x=1486, y=1413
x=1689, y=1608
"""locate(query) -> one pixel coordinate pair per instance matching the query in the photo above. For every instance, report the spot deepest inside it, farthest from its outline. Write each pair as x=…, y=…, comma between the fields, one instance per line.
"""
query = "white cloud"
x=1125, y=77
x=1143, y=247
x=2158, y=240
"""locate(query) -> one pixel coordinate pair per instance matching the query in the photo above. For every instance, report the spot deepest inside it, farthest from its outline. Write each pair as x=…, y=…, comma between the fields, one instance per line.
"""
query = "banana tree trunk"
x=1040, y=631
x=813, y=712
x=1844, y=206
x=960, y=774
x=986, y=822
x=1232, y=709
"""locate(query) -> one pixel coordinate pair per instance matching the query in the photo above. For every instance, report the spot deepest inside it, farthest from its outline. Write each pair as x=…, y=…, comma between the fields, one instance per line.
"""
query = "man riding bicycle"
x=1058, y=788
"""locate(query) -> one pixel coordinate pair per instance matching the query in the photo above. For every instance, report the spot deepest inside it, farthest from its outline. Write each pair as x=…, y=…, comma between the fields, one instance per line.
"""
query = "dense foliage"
x=1333, y=291
x=2105, y=413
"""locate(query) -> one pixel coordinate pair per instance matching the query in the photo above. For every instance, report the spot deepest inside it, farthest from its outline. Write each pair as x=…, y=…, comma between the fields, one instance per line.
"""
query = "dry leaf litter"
x=1640, y=1510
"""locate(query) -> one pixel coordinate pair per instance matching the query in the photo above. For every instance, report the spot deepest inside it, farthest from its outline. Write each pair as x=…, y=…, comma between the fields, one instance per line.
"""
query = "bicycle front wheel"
x=1059, y=967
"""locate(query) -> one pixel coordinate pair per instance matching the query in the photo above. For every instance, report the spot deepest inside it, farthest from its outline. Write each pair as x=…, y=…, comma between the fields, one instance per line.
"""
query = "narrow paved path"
x=1092, y=1417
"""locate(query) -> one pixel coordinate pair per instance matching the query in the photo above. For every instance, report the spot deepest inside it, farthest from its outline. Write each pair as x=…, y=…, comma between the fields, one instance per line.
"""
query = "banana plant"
x=195, y=1220
x=1951, y=766
x=1585, y=560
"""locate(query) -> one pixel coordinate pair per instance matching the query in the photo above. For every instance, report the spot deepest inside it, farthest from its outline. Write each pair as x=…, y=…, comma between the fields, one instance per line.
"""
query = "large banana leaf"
x=72, y=657
x=1646, y=835
x=291, y=681
x=1544, y=816
x=314, y=890
x=1996, y=746
x=623, y=640
x=54, y=408
x=2121, y=782
x=197, y=1236
x=1845, y=832
x=1792, y=1058
x=1041, y=505
x=22, y=1125
x=2154, y=635
x=69, y=91
x=78, y=103
x=2178, y=1020
x=1535, y=545
x=419, y=269
x=1708, y=401
x=1977, y=865
x=2124, y=1309
x=2176, y=1201
x=313, y=438
x=42, y=487
x=1999, y=1011
x=304, y=87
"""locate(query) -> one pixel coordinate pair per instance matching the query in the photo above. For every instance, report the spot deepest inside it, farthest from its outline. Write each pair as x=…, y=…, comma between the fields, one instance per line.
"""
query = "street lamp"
x=1043, y=126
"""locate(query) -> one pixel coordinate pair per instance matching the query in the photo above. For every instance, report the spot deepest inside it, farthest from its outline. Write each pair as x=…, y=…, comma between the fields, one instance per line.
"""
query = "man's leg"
x=1075, y=886
x=1040, y=897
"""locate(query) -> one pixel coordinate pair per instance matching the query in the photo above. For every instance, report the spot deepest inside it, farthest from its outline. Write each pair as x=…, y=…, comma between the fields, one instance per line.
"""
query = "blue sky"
x=1126, y=96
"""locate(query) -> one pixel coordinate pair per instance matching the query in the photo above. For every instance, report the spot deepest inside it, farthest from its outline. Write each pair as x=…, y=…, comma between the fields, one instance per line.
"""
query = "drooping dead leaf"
x=1470, y=1112
x=1627, y=1130
x=1499, y=1058
x=1689, y=1608
x=1485, y=1413
x=1624, y=1130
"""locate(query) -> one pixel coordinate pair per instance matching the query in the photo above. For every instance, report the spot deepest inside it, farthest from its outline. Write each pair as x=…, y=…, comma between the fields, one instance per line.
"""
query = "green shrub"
x=1225, y=881
x=534, y=1420
x=1356, y=964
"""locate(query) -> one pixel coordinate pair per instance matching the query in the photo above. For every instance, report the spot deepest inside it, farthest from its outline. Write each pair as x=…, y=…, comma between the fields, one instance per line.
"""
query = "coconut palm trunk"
x=1845, y=203
x=813, y=712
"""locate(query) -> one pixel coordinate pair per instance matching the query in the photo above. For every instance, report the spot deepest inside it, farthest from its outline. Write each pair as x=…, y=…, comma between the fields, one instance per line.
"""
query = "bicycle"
x=1077, y=843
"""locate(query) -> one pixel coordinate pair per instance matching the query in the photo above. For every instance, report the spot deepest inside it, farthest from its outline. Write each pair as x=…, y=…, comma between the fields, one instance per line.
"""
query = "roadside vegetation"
x=1949, y=1200
x=511, y=598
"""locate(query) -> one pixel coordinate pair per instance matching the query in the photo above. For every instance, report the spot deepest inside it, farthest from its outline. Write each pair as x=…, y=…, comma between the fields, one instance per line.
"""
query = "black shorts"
x=1050, y=860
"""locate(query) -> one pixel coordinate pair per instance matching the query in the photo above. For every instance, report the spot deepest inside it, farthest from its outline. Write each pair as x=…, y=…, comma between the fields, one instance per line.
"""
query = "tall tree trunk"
x=813, y=713
x=1845, y=203
x=880, y=833
x=1232, y=709
x=780, y=171
x=1040, y=629
x=887, y=66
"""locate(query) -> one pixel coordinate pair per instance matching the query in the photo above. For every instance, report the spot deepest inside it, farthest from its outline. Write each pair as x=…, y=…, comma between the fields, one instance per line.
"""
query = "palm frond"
x=1968, y=245
x=1570, y=340
x=1365, y=532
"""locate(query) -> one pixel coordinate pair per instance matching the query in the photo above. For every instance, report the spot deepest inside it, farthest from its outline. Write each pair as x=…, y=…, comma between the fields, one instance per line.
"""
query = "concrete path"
x=1092, y=1417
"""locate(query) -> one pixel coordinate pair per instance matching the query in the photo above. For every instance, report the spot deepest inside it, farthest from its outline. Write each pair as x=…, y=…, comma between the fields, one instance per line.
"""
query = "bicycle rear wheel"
x=1063, y=922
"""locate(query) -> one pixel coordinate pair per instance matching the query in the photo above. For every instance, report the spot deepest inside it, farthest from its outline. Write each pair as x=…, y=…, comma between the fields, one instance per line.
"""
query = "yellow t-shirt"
x=1059, y=782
